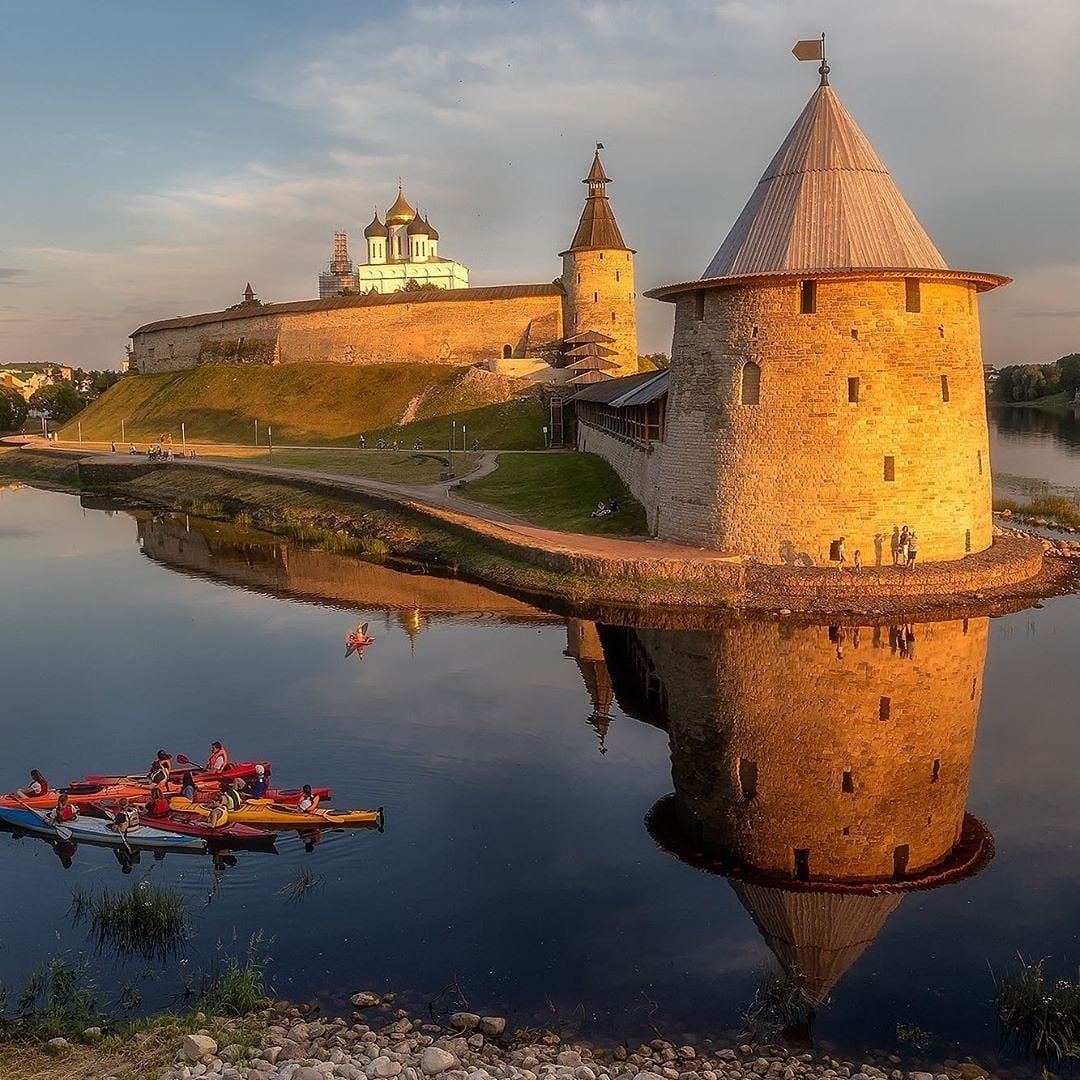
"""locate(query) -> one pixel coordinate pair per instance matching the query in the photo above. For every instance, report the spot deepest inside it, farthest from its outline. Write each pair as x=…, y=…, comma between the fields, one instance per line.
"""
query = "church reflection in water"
x=822, y=770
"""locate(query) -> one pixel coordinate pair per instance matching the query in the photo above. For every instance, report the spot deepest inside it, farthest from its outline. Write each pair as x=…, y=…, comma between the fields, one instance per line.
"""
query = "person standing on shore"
x=902, y=546
x=841, y=554
x=912, y=550
x=858, y=561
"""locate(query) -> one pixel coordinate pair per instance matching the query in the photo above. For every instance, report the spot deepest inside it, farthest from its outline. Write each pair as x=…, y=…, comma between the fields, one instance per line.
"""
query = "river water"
x=613, y=829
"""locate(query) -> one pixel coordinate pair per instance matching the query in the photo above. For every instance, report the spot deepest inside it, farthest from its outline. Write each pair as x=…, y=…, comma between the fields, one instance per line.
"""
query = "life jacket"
x=233, y=799
x=219, y=760
x=65, y=813
x=158, y=807
x=42, y=786
x=306, y=804
x=160, y=771
x=125, y=819
x=223, y=817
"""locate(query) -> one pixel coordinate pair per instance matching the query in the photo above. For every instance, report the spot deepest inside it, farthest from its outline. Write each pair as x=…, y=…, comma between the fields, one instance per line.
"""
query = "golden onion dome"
x=401, y=213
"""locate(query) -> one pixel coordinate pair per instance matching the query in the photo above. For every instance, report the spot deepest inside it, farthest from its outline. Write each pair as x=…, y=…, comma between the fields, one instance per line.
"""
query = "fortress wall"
x=599, y=288
x=638, y=468
x=779, y=480
x=764, y=719
x=431, y=331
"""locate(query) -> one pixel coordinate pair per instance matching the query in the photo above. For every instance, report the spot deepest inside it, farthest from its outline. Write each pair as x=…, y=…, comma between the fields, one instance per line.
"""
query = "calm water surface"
x=1039, y=443
x=518, y=756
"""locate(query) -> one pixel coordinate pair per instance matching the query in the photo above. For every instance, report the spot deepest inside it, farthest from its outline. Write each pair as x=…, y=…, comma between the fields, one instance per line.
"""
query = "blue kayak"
x=96, y=831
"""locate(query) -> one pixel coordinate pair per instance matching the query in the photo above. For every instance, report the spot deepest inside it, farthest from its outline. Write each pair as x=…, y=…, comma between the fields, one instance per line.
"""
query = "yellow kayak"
x=276, y=816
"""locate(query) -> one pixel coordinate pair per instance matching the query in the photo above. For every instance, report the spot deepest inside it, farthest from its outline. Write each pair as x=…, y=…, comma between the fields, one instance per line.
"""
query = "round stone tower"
x=825, y=770
x=826, y=372
x=598, y=277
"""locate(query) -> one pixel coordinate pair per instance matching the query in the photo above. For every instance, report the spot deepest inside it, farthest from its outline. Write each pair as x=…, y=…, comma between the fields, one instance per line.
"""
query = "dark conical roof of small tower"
x=816, y=936
x=597, y=227
x=418, y=226
x=826, y=202
x=433, y=233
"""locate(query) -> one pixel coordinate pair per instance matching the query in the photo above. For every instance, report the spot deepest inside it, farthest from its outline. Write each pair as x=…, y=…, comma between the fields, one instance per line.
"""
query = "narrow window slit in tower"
x=967, y=540
x=848, y=783
x=750, y=390
x=935, y=771
x=853, y=389
x=944, y=387
x=616, y=275
x=941, y=331
x=601, y=256
x=929, y=819
x=901, y=854
x=613, y=316
x=884, y=711
x=847, y=830
x=980, y=462
x=747, y=778
x=808, y=298
x=854, y=334
x=912, y=295
x=974, y=683
x=595, y=298
x=699, y=305
x=579, y=279
x=965, y=626
x=802, y=864
x=890, y=468
x=753, y=334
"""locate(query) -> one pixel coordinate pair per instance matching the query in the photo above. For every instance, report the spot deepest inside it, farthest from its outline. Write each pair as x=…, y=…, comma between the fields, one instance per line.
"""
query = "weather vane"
x=813, y=49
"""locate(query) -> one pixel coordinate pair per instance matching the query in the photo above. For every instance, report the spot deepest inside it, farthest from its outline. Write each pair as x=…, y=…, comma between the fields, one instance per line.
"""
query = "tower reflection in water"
x=822, y=770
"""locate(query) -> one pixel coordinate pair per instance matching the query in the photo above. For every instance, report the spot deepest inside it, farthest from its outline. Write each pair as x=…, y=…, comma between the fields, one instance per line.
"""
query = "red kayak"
x=244, y=770
x=234, y=832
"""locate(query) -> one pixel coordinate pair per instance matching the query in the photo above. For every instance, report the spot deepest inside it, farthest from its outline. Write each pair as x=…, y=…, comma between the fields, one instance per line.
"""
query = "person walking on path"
x=841, y=555
x=912, y=550
x=902, y=546
x=858, y=561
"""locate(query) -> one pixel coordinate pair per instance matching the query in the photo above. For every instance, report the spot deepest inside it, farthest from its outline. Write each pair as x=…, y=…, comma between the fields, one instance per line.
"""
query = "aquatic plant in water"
x=236, y=986
x=145, y=920
x=56, y=1000
x=301, y=884
x=1040, y=1017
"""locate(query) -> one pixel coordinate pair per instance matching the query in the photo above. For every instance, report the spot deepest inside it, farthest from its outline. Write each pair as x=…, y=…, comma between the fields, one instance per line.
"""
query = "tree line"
x=1026, y=382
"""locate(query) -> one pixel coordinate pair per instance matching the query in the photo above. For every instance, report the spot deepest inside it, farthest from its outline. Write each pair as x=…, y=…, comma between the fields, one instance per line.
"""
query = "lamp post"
x=183, y=436
x=256, y=432
x=463, y=447
x=80, y=432
x=270, y=442
x=123, y=436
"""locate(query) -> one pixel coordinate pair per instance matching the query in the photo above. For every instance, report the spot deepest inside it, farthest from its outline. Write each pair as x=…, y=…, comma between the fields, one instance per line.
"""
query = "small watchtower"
x=598, y=275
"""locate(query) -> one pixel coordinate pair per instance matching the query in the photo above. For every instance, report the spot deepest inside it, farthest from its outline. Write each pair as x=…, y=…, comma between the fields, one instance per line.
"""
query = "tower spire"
x=597, y=227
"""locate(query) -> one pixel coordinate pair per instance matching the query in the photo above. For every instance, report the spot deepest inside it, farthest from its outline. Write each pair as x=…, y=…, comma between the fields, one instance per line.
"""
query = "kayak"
x=288, y=796
x=194, y=825
x=80, y=795
x=244, y=770
x=97, y=831
x=275, y=816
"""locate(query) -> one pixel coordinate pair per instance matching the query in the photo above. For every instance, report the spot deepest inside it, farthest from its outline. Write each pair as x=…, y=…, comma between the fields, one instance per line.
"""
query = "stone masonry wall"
x=835, y=741
x=599, y=295
x=452, y=332
x=779, y=480
x=638, y=467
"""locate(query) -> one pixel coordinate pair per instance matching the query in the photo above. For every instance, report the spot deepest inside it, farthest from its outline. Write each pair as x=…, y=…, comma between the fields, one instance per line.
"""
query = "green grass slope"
x=306, y=404
x=560, y=491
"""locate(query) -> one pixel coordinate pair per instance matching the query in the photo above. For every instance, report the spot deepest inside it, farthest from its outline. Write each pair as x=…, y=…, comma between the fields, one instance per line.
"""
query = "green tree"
x=654, y=361
x=13, y=409
x=1069, y=373
x=414, y=285
x=58, y=401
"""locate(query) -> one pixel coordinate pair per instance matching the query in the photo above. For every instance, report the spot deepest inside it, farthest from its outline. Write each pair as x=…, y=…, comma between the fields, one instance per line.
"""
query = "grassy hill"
x=315, y=404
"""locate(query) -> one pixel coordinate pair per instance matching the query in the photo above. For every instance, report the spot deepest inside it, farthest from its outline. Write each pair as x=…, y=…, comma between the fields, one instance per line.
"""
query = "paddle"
x=183, y=759
x=61, y=831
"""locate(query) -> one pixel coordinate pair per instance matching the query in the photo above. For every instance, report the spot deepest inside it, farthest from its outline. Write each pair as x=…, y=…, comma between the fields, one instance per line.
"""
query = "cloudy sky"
x=158, y=156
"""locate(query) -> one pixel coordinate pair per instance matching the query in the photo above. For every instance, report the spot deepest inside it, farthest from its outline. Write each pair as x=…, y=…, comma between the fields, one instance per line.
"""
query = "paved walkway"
x=442, y=497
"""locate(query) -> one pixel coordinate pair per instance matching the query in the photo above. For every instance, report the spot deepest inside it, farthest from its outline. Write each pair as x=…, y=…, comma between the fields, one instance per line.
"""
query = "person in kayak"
x=158, y=805
x=125, y=819
x=307, y=801
x=219, y=758
x=38, y=786
x=219, y=814
x=257, y=785
x=161, y=769
x=231, y=794
x=187, y=786
x=63, y=811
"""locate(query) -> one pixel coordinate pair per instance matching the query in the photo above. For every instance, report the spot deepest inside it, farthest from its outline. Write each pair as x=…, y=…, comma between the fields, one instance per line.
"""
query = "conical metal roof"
x=375, y=229
x=418, y=226
x=816, y=936
x=597, y=228
x=825, y=203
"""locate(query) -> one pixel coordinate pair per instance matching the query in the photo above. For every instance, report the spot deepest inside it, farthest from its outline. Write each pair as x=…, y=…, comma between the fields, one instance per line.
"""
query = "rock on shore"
x=474, y=1047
